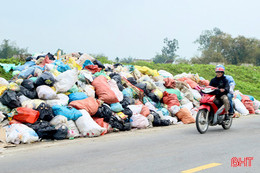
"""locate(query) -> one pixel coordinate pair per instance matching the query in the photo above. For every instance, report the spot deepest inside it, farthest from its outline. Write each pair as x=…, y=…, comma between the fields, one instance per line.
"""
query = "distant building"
x=147, y=60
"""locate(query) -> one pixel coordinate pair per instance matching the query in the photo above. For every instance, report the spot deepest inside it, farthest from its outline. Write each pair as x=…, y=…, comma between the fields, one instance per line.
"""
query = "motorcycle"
x=211, y=111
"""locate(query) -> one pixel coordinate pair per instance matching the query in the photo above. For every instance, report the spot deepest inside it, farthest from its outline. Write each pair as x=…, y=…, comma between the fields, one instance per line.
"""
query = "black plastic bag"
x=40, y=56
x=128, y=112
x=45, y=112
x=104, y=112
x=165, y=122
x=43, y=129
x=117, y=64
x=156, y=119
x=51, y=56
x=132, y=80
x=118, y=80
x=142, y=86
x=115, y=123
x=28, y=84
x=125, y=102
x=98, y=63
x=10, y=99
x=153, y=97
x=61, y=133
x=29, y=58
x=45, y=78
x=30, y=94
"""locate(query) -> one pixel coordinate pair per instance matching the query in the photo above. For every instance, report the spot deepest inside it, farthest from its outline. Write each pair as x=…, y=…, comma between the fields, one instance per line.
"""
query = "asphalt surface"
x=174, y=148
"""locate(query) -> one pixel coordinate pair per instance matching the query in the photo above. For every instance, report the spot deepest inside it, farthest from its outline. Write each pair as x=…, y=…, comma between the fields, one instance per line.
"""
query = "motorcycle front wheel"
x=202, y=121
x=227, y=123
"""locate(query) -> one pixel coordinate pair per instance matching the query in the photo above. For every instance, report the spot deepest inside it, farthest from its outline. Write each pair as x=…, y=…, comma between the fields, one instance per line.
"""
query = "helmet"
x=221, y=69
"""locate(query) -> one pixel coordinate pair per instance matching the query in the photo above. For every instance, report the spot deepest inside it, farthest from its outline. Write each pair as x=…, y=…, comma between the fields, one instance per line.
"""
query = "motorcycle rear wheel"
x=227, y=123
x=202, y=121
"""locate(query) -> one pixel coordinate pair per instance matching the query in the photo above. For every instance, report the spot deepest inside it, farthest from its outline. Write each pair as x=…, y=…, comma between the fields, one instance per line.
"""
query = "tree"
x=127, y=60
x=167, y=52
x=217, y=46
x=8, y=50
x=117, y=59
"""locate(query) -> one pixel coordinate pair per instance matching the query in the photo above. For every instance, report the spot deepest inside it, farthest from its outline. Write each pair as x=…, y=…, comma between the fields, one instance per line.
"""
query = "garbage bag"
x=248, y=104
x=13, y=86
x=153, y=97
x=90, y=104
x=69, y=112
x=93, y=68
x=139, y=121
x=127, y=101
x=32, y=94
x=45, y=78
x=45, y=111
x=26, y=115
x=28, y=84
x=185, y=116
x=101, y=123
x=196, y=94
x=2, y=89
x=33, y=104
x=26, y=65
x=10, y=99
x=132, y=80
x=63, y=67
x=115, y=89
x=43, y=129
x=26, y=73
x=4, y=108
x=192, y=83
x=74, y=89
x=103, y=90
x=98, y=63
x=116, y=107
x=136, y=109
x=165, y=74
x=45, y=92
x=128, y=92
x=87, y=126
x=66, y=80
x=3, y=82
x=17, y=133
x=61, y=100
x=174, y=109
x=158, y=121
x=73, y=131
x=77, y=96
x=105, y=112
x=118, y=80
x=86, y=63
x=61, y=133
x=170, y=99
x=119, y=124
x=174, y=91
x=128, y=112
x=169, y=83
x=58, y=120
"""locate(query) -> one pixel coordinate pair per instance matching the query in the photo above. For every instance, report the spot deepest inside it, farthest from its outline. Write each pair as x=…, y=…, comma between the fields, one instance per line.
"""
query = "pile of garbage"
x=75, y=95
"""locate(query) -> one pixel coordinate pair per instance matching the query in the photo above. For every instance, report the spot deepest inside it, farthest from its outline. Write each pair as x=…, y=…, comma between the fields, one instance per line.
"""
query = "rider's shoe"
x=227, y=116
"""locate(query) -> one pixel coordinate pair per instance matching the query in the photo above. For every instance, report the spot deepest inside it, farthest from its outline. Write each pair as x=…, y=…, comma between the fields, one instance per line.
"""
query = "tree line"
x=214, y=46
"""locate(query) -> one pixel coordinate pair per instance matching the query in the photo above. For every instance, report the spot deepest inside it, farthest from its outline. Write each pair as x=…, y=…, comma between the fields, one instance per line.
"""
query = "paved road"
x=163, y=149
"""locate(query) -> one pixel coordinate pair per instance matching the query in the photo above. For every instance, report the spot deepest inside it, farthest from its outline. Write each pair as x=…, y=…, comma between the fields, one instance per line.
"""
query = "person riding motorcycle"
x=222, y=84
x=230, y=95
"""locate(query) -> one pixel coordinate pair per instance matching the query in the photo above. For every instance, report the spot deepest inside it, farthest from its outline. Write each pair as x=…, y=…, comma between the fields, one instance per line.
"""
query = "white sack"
x=66, y=80
x=113, y=86
x=45, y=92
x=73, y=131
x=3, y=82
x=239, y=106
x=136, y=109
x=87, y=126
x=17, y=133
x=62, y=100
x=59, y=119
x=139, y=121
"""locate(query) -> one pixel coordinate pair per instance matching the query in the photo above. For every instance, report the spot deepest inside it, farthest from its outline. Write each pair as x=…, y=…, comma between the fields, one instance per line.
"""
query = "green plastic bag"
x=74, y=89
x=174, y=91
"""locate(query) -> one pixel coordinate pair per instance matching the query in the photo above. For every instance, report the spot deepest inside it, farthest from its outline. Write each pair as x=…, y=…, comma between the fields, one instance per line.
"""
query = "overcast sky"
x=123, y=28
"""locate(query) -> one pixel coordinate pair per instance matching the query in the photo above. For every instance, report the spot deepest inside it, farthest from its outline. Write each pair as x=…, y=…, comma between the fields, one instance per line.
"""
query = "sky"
x=121, y=28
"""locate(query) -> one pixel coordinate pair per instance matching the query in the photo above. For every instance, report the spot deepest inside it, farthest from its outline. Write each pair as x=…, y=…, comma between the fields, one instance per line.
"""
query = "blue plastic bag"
x=86, y=63
x=26, y=65
x=116, y=107
x=251, y=97
x=164, y=111
x=63, y=67
x=77, y=96
x=128, y=92
x=69, y=112
x=239, y=97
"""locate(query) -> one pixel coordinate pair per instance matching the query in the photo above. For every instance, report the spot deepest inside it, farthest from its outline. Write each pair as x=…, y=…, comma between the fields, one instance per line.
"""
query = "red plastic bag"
x=103, y=90
x=249, y=104
x=26, y=115
x=90, y=104
x=170, y=99
x=189, y=81
x=185, y=116
x=145, y=110
x=169, y=83
x=101, y=123
x=93, y=68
